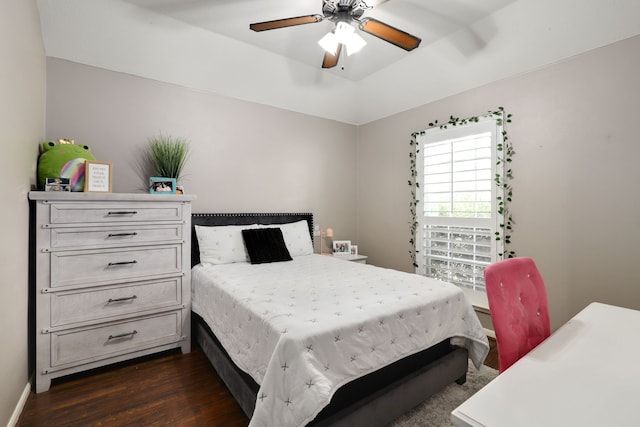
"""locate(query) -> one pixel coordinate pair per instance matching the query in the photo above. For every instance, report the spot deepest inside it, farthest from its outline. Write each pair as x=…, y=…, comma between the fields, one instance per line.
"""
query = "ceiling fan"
x=343, y=13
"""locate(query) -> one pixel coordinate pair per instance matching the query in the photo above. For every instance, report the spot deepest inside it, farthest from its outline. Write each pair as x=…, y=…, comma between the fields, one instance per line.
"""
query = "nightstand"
x=360, y=259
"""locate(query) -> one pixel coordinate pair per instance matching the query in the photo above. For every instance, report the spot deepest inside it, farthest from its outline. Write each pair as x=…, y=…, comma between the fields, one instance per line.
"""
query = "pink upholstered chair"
x=519, y=307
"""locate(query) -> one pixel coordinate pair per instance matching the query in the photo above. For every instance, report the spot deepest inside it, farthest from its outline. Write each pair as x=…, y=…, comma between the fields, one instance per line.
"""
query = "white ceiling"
x=207, y=45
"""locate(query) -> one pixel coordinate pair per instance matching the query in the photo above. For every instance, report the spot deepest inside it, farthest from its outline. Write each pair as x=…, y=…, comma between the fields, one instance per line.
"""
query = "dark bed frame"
x=373, y=400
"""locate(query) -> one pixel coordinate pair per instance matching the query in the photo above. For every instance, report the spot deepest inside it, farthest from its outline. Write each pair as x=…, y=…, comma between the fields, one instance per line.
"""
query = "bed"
x=297, y=352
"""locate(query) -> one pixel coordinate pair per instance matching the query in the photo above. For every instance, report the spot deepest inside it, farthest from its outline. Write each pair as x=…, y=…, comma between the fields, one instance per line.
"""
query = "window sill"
x=478, y=300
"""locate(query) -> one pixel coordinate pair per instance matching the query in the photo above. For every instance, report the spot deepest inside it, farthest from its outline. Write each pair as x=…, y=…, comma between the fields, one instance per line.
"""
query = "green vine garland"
x=502, y=179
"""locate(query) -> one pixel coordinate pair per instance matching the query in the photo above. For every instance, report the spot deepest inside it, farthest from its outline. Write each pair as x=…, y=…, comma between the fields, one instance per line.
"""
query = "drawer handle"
x=125, y=335
x=122, y=234
x=122, y=299
x=113, y=264
x=123, y=213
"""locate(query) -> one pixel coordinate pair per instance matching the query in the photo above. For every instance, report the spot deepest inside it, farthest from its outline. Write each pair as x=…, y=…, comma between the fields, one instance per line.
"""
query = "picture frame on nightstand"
x=354, y=249
x=342, y=247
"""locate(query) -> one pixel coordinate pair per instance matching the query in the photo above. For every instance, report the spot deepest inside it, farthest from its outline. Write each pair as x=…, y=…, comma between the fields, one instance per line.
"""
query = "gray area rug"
x=436, y=411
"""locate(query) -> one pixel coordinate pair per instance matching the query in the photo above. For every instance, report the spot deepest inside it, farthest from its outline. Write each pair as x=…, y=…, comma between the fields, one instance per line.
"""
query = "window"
x=458, y=214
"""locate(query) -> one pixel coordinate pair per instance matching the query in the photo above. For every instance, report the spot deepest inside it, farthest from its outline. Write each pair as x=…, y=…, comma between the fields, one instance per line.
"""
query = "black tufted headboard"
x=212, y=219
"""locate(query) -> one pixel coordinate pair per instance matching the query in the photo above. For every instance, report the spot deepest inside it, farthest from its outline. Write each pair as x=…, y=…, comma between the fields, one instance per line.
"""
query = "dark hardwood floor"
x=492, y=357
x=169, y=389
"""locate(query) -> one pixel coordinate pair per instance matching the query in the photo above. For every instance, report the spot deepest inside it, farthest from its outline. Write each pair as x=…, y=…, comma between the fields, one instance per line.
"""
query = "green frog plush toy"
x=63, y=159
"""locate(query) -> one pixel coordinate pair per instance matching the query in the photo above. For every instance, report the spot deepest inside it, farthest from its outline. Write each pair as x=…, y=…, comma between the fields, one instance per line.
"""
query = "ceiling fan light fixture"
x=329, y=43
x=343, y=34
x=343, y=31
x=354, y=44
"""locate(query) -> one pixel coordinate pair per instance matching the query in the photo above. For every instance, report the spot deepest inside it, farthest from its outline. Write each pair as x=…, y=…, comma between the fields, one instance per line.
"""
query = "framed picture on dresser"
x=97, y=177
x=160, y=185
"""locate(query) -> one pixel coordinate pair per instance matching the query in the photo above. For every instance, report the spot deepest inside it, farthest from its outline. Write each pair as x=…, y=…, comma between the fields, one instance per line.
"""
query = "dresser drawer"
x=107, y=265
x=102, y=303
x=62, y=238
x=84, y=213
x=86, y=345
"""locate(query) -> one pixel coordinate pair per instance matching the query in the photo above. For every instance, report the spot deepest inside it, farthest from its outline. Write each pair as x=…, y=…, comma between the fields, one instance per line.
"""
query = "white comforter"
x=305, y=327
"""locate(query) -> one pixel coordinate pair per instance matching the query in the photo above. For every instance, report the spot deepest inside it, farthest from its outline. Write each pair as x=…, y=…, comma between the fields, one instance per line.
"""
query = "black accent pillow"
x=265, y=245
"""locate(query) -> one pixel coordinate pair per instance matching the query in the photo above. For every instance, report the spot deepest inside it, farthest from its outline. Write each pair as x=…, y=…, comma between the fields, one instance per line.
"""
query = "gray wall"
x=22, y=80
x=576, y=200
x=245, y=156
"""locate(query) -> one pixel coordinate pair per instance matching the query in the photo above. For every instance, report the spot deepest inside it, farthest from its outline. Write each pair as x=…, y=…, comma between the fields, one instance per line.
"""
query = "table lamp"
x=323, y=235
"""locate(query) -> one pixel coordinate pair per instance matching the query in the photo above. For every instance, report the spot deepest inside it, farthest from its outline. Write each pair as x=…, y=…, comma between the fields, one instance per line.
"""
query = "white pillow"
x=297, y=238
x=222, y=244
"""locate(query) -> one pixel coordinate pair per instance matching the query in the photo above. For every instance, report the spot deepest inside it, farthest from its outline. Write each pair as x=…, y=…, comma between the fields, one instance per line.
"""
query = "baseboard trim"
x=13, y=421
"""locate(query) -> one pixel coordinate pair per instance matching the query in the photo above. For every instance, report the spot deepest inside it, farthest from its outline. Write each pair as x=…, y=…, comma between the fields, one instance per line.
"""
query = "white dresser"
x=112, y=278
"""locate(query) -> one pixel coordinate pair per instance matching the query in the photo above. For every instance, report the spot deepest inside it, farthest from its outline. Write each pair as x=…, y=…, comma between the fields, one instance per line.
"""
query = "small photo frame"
x=97, y=176
x=160, y=185
x=57, y=184
x=179, y=189
x=354, y=249
x=342, y=247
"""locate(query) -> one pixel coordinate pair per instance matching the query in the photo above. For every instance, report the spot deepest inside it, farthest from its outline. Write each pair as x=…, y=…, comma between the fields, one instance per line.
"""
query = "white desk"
x=587, y=373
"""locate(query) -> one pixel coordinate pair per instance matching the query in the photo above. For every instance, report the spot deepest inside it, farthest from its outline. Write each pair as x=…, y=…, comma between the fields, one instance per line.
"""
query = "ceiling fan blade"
x=390, y=34
x=331, y=60
x=287, y=22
